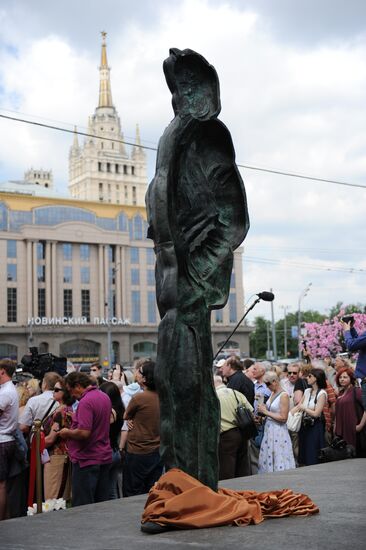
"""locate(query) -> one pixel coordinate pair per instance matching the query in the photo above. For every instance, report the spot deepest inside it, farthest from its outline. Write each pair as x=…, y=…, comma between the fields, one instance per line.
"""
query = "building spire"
x=138, y=139
x=137, y=150
x=105, y=93
x=76, y=141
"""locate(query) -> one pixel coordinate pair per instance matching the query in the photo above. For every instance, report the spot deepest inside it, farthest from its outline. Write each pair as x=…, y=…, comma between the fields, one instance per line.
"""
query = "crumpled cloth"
x=181, y=501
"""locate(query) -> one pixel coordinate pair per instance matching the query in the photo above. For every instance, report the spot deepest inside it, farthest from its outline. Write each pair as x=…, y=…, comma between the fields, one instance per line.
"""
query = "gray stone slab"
x=338, y=489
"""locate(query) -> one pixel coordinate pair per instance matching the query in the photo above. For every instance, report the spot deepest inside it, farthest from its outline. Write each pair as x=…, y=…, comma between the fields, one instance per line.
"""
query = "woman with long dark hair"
x=349, y=410
x=116, y=421
x=312, y=431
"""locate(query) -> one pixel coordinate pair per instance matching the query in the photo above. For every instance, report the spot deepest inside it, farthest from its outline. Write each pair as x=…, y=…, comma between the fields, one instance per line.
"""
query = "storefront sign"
x=76, y=321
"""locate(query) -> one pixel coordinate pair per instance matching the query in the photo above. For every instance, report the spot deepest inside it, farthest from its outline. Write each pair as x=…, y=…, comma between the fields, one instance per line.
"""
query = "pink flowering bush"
x=326, y=338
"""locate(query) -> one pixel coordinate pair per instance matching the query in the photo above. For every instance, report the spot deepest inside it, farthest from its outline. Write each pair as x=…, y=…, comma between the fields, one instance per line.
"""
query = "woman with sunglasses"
x=276, y=453
x=312, y=431
x=56, y=472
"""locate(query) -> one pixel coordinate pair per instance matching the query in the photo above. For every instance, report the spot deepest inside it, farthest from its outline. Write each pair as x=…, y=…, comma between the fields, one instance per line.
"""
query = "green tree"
x=309, y=316
x=350, y=308
x=258, y=338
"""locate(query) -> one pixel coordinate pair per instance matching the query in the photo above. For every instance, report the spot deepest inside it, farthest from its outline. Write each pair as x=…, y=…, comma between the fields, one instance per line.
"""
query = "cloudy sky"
x=293, y=93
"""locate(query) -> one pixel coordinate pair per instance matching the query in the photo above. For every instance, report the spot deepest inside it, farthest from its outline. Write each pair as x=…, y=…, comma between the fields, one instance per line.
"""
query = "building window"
x=113, y=303
x=68, y=274
x=84, y=275
x=133, y=170
x=135, y=276
x=150, y=275
x=12, y=272
x=12, y=305
x=151, y=307
x=85, y=304
x=115, y=352
x=125, y=169
x=67, y=251
x=41, y=302
x=11, y=249
x=112, y=253
x=135, y=298
x=8, y=351
x=41, y=273
x=134, y=255
x=67, y=302
x=108, y=166
x=84, y=252
x=99, y=166
x=112, y=276
x=150, y=256
x=41, y=250
x=134, y=200
x=219, y=316
x=126, y=193
x=232, y=308
x=144, y=349
x=117, y=168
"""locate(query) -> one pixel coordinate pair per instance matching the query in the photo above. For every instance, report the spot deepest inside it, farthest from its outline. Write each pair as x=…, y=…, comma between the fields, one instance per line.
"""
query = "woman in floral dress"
x=276, y=452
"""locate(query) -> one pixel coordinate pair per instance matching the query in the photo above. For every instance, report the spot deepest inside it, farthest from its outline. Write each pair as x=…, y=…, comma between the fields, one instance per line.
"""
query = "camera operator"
x=356, y=343
x=40, y=406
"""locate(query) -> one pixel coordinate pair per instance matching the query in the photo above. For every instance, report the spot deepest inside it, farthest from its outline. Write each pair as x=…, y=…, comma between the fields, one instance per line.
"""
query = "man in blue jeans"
x=88, y=441
x=357, y=344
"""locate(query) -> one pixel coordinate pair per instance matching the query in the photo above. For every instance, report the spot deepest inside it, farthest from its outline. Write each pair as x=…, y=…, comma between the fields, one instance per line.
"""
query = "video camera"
x=37, y=364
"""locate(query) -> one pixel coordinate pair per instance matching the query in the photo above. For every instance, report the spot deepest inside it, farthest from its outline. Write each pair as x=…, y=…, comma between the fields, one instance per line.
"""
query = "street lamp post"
x=274, y=340
x=285, y=308
x=302, y=295
x=109, y=308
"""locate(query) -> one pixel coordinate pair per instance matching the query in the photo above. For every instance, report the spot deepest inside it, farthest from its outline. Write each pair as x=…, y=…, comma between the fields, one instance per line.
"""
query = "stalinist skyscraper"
x=101, y=169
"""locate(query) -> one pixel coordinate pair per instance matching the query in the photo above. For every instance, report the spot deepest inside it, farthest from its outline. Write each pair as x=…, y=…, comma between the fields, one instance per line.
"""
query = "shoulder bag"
x=245, y=420
x=294, y=421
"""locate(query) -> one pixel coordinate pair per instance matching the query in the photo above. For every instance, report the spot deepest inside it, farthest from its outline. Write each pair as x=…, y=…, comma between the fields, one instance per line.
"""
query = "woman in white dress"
x=276, y=452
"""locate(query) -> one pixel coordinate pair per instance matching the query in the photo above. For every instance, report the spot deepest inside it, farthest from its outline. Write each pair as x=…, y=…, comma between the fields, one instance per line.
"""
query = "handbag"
x=337, y=450
x=245, y=420
x=294, y=421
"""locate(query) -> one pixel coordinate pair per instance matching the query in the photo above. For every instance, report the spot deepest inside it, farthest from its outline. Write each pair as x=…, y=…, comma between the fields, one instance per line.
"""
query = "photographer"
x=356, y=343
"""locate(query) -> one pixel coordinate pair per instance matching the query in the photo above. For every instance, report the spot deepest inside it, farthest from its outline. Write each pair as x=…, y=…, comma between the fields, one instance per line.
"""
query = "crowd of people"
x=329, y=394
x=96, y=431
x=101, y=436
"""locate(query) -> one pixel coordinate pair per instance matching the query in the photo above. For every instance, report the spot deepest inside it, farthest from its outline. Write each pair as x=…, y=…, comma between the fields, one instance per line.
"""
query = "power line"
x=246, y=166
x=86, y=134
x=302, y=265
x=301, y=176
x=354, y=251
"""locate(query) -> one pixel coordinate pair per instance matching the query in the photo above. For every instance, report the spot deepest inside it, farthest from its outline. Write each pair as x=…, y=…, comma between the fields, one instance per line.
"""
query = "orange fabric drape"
x=180, y=501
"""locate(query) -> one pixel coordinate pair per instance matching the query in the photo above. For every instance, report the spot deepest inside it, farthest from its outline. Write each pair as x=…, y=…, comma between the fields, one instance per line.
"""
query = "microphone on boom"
x=266, y=296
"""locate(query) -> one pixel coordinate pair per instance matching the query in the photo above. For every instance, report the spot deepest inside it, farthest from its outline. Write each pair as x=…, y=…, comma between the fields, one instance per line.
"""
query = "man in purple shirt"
x=88, y=441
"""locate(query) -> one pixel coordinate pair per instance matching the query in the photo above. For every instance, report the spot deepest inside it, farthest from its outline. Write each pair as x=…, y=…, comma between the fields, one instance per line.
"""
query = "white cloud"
x=291, y=107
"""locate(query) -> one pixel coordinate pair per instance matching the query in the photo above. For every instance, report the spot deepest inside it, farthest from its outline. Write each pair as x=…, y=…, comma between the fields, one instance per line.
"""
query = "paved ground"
x=338, y=489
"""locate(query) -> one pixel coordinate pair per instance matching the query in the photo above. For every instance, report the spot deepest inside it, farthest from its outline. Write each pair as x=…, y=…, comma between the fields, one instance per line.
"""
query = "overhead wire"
x=245, y=166
x=272, y=261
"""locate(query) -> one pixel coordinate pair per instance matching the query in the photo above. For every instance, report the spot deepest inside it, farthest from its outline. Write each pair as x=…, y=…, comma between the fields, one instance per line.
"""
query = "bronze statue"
x=197, y=214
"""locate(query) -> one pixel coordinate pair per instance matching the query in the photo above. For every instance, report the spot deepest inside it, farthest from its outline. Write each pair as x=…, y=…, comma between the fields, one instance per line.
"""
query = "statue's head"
x=194, y=84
